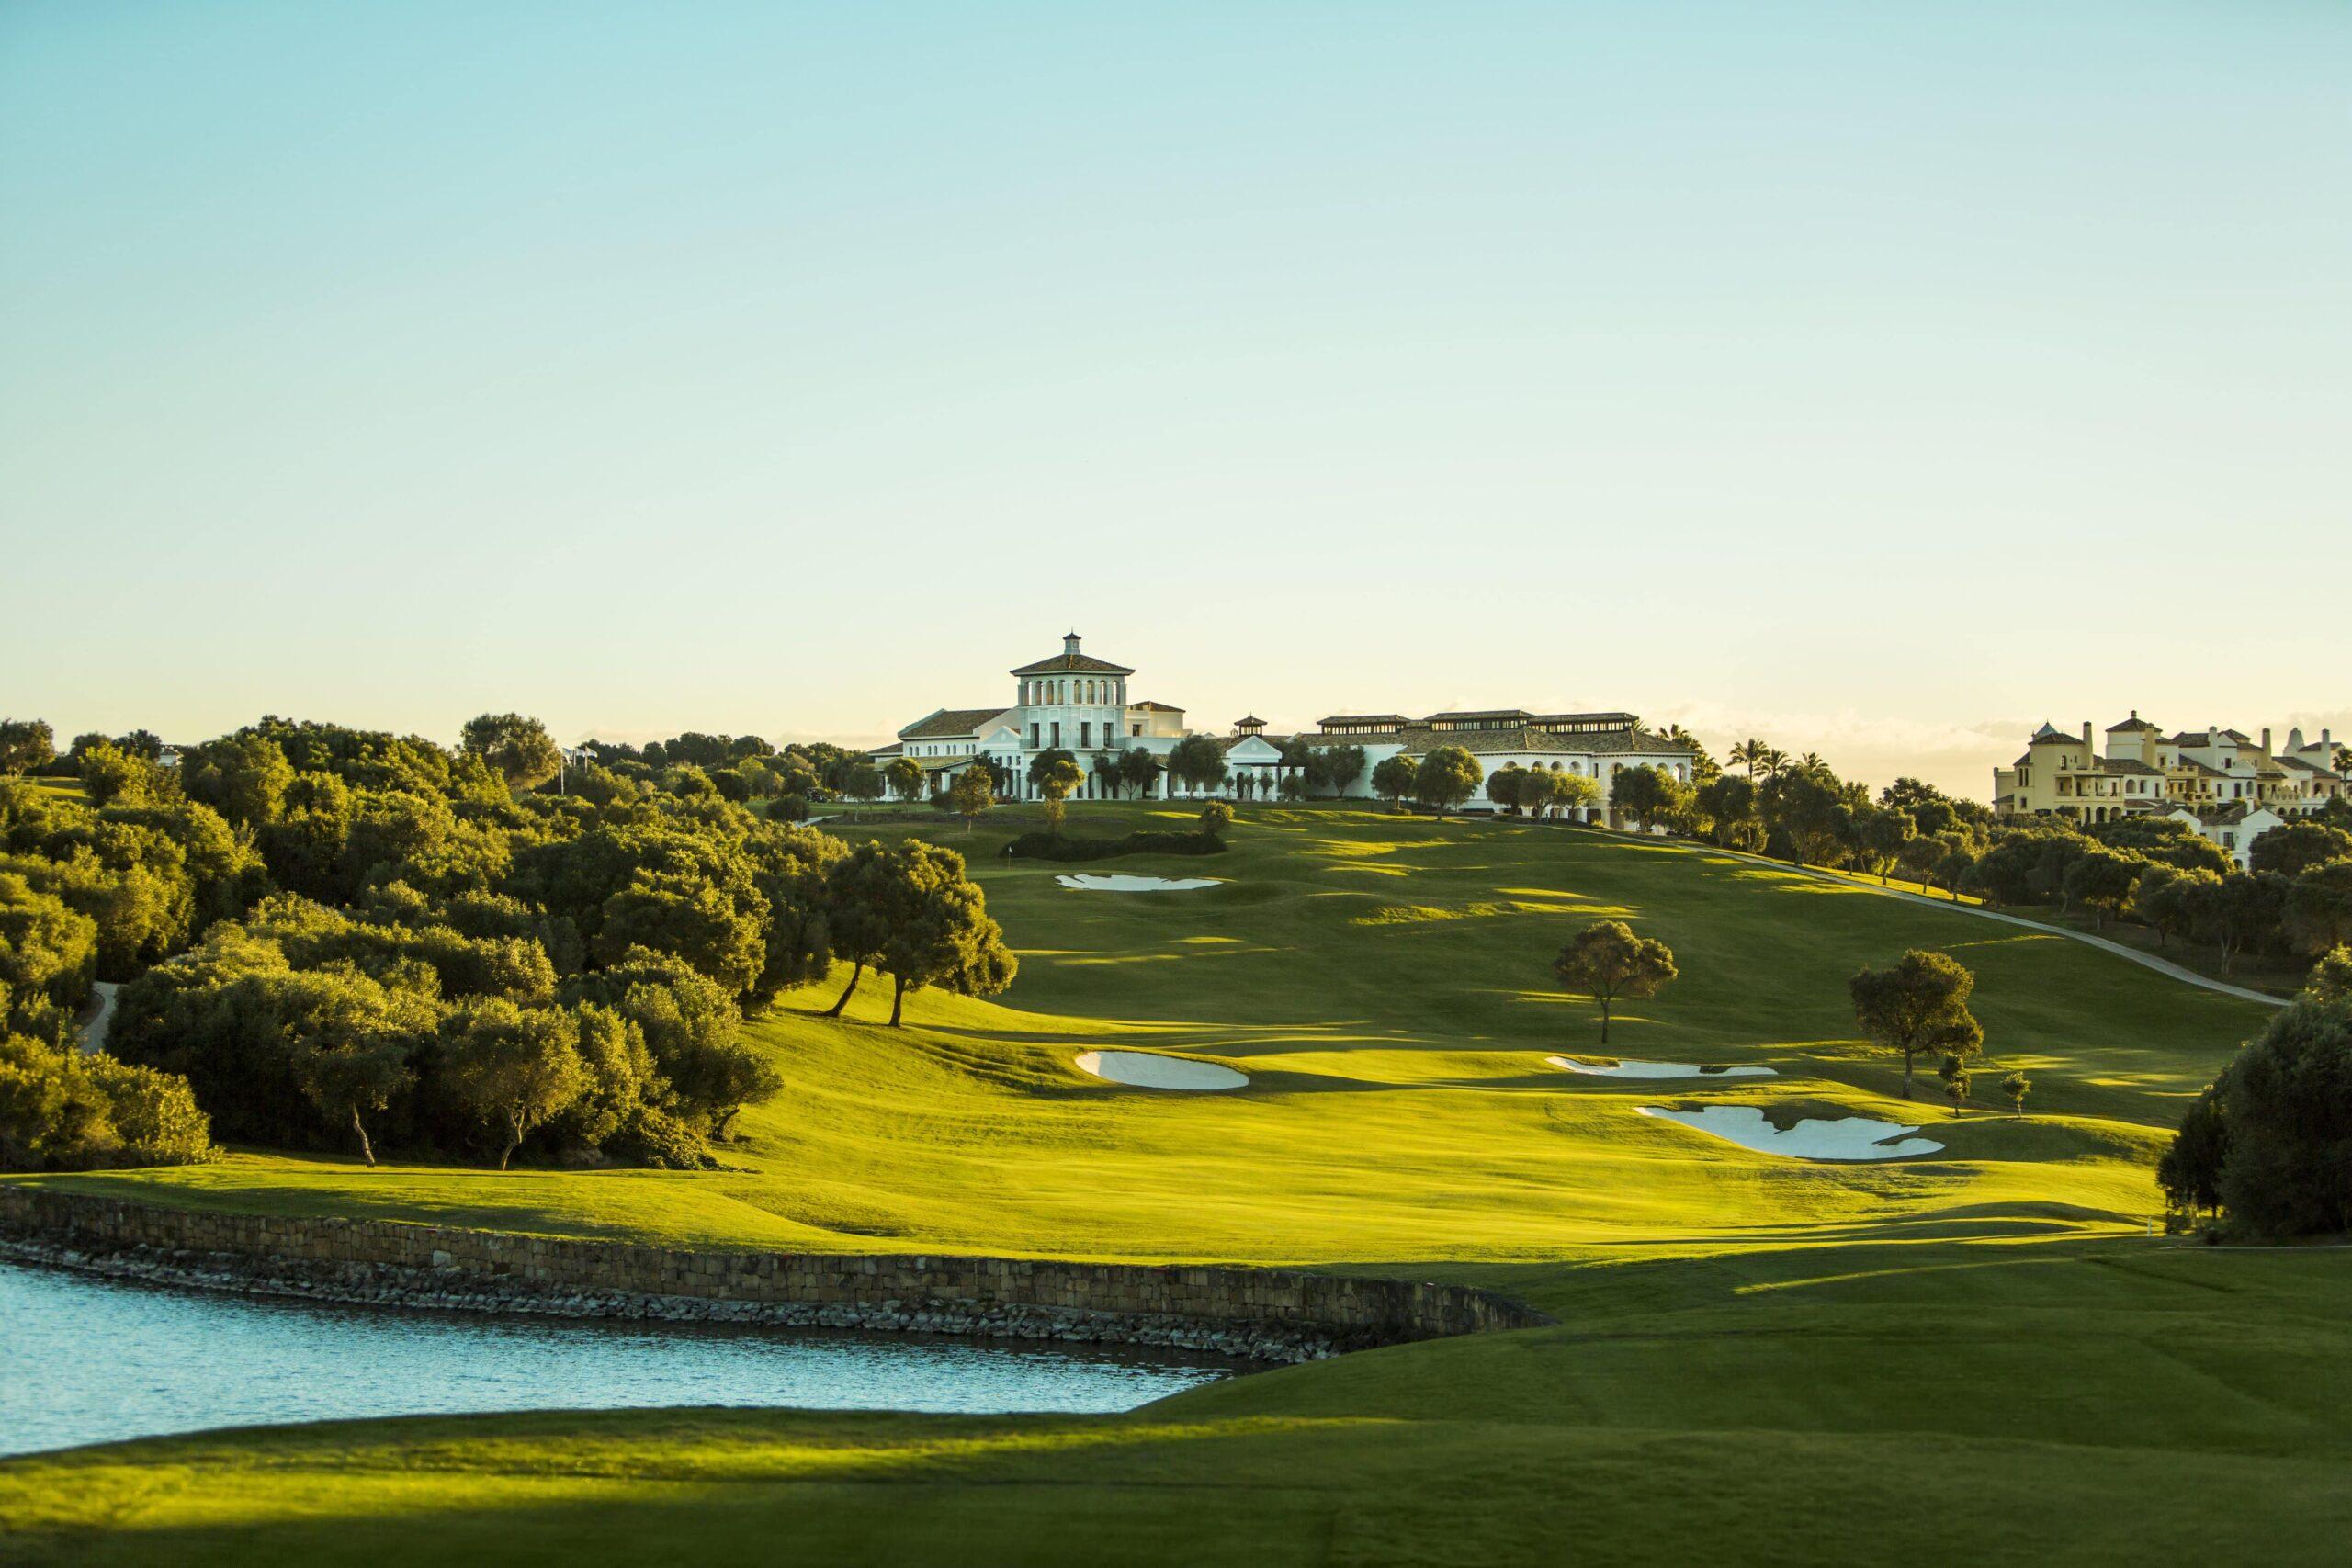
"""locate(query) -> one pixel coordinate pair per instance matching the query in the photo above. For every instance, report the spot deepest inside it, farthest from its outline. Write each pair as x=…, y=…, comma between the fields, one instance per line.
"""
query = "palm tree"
x=1750, y=752
x=1812, y=764
x=1774, y=761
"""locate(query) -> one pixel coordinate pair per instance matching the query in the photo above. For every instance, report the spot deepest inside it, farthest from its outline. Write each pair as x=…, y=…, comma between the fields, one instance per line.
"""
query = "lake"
x=89, y=1360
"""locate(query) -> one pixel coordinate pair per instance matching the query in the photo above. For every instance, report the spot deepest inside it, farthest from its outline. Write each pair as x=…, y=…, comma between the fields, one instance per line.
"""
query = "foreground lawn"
x=1979, y=1403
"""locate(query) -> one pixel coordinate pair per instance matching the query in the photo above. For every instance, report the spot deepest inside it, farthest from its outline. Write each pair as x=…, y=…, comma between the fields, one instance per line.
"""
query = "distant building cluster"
x=1078, y=703
x=2230, y=787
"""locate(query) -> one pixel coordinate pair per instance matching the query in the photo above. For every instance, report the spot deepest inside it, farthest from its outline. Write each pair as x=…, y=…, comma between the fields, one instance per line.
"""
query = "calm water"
x=85, y=1360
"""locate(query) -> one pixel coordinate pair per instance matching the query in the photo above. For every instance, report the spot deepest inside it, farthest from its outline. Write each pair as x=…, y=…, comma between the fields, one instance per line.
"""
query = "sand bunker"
x=1627, y=1067
x=1143, y=1070
x=1090, y=883
x=1846, y=1137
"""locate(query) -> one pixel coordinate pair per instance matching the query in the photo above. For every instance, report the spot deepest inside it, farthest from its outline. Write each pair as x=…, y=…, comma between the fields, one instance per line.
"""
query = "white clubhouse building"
x=1080, y=703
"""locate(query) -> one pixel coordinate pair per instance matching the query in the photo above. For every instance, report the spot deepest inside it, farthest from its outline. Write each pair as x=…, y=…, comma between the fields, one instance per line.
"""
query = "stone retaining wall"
x=1269, y=1314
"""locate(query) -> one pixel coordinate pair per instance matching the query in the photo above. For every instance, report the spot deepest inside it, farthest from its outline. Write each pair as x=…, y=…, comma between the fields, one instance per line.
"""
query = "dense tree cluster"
x=337, y=938
x=2269, y=1143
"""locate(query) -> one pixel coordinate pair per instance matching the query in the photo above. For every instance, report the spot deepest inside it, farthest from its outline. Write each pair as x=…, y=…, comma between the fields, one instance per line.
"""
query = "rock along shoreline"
x=1266, y=1315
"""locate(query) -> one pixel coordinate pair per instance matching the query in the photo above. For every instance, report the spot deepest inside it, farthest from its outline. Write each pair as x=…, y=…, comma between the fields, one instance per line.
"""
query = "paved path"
x=93, y=1033
x=2144, y=960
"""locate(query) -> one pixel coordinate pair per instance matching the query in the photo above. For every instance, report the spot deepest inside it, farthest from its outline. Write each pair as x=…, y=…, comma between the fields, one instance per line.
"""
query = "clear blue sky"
x=1885, y=378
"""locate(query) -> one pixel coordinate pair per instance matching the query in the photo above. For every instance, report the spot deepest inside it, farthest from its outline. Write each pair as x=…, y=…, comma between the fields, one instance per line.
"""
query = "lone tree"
x=2285, y=1105
x=1954, y=1072
x=1919, y=1005
x=1607, y=961
x=513, y=1068
x=973, y=795
x=905, y=777
x=518, y=749
x=1216, y=818
x=1392, y=779
x=856, y=909
x=2017, y=1086
x=1056, y=776
x=936, y=929
x=1447, y=777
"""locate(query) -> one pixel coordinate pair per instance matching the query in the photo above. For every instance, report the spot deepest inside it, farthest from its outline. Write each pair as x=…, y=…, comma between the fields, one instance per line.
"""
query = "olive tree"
x=1919, y=1004
x=1447, y=776
x=1608, y=961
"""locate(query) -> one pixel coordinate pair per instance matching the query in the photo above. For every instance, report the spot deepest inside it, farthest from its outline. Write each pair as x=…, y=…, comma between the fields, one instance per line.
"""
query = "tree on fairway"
x=1917, y=1005
x=905, y=777
x=1502, y=785
x=513, y=1069
x=2286, y=1101
x=1537, y=789
x=936, y=929
x=1954, y=1072
x=1138, y=771
x=1448, y=776
x=1648, y=795
x=2299, y=846
x=973, y=795
x=26, y=744
x=1055, y=775
x=1342, y=767
x=1574, y=792
x=1196, y=762
x=2017, y=1086
x=518, y=749
x=2331, y=978
x=348, y=1042
x=1216, y=818
x=2189, y=1170
x=1882, y=836
x=856, y=894
x=862, y=782
x=1607, y=961
x=1392, y=779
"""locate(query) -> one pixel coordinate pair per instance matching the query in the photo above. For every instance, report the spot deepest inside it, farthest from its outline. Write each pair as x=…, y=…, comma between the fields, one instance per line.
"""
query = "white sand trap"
x=1627, y=1067
x=1143, y=1070
x=1090, y=883
x=1847, y=1137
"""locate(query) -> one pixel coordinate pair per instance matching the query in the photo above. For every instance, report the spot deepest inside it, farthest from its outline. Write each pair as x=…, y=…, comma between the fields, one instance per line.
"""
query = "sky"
x=1881, y=378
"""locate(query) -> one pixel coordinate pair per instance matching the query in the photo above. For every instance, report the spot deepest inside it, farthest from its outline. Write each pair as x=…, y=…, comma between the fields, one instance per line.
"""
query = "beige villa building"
x=1080, y=703
x=2230, y=787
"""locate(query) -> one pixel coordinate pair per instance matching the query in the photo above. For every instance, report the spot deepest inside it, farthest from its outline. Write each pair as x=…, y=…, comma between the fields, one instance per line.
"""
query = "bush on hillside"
x=1045, y=846
x=2271, y=1140
x=62, y=1111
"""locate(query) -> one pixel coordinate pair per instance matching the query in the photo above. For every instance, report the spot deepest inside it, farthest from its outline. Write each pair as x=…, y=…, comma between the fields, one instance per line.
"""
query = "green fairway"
x=1384, y=982
x=1976, y=1355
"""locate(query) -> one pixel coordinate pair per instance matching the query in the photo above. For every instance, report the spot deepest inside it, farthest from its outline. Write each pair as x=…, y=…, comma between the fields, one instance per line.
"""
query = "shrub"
x=61, y=1111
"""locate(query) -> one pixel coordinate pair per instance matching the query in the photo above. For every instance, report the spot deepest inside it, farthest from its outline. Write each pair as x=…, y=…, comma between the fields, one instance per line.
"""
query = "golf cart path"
x=2144, y=960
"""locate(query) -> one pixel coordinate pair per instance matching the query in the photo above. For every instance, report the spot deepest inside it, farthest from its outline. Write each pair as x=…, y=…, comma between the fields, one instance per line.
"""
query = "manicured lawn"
x=2071, y=1403
x=1974, y=1356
